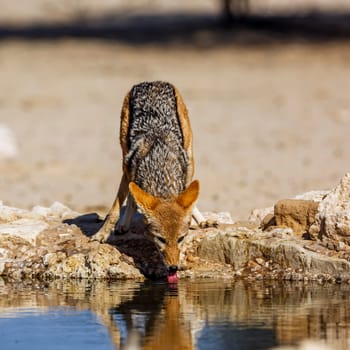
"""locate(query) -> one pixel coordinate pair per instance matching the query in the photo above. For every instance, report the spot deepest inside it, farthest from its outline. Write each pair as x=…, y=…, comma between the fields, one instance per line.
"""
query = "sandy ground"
x=270, y=121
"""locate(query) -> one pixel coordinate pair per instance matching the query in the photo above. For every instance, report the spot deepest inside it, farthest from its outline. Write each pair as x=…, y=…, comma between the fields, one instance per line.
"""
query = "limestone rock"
x=56, y=211
x=286, y=256
x=27, y=229
x=220, y=218
x=258, y=215
x=54, y=242
x=38, y=244
x=102, y=263
x=316, y=196
x=263, y=215
x=332, y=222
x=10, y=214
x=297, y=214
x=268, y=221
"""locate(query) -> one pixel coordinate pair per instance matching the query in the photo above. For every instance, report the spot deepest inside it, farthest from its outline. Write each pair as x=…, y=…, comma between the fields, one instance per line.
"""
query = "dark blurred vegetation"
x=233, y=23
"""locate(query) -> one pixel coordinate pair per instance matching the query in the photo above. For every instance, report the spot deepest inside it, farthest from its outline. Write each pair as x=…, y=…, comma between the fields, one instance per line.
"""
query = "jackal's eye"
x=180, y=239
x=161, y=239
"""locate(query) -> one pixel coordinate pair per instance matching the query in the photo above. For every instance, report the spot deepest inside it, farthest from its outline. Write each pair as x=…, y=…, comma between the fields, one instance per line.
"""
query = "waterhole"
x=154, y=315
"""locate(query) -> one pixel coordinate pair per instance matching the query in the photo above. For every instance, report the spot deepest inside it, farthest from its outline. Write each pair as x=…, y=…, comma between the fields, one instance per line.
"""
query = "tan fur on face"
x=168, y=218
x=173, y=225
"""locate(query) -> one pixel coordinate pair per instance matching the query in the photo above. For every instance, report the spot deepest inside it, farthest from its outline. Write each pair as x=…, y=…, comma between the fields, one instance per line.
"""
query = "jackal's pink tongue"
x=172, y=277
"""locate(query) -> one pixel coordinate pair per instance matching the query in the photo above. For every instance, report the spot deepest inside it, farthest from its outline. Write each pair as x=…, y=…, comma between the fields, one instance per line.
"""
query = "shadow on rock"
x=89, y=224
x=134, y=244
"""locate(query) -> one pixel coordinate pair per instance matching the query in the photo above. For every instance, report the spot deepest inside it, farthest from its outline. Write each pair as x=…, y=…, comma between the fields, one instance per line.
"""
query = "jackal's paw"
x=121, y=229
x=100, y=236
x=208, y=223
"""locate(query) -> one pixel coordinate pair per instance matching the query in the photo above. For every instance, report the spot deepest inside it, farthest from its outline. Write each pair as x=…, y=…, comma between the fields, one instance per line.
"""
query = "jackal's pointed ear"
x=144, y=200
x=188, y=197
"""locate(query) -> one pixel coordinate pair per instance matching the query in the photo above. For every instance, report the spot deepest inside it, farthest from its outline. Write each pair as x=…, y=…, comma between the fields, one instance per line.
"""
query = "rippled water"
x=196, y=315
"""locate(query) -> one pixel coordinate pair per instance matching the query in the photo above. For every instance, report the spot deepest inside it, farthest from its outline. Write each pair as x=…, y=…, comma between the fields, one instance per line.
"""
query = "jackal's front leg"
x=112, y=217
x=124, y=222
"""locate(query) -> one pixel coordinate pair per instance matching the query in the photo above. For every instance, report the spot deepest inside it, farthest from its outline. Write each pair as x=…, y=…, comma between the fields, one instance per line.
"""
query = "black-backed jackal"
x=156, y=141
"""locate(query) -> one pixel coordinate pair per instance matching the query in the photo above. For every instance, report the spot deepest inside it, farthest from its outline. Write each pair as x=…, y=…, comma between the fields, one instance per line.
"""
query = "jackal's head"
x=168, y=219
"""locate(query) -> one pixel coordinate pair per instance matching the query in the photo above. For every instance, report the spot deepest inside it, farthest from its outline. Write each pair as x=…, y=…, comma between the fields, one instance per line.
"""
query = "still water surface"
x=200, y=315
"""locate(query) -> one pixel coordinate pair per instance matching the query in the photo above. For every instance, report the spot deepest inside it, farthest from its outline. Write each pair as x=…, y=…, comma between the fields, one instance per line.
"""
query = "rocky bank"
x=303, y=238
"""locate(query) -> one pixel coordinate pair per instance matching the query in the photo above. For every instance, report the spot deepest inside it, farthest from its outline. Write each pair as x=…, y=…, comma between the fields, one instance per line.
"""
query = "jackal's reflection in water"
x=153, y=319
x=153, y=315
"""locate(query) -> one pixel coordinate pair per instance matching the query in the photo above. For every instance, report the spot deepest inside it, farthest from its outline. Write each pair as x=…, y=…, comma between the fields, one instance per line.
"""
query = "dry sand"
x=270, y=121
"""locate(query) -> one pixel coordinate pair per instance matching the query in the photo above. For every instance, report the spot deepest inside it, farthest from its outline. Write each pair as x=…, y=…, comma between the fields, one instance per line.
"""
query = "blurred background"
x=266, y=83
